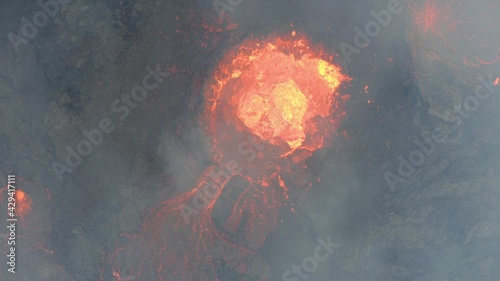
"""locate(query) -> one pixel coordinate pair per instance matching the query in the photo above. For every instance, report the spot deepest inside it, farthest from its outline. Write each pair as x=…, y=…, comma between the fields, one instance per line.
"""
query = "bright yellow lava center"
x=276, y=114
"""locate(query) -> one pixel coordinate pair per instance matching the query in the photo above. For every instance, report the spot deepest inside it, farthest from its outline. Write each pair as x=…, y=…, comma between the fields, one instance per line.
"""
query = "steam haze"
x=405, y=186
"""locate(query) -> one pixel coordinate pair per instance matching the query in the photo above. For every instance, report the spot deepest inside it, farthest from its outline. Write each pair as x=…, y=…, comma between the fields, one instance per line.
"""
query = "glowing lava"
x=23, y=204
x=285, y=92
x=434, y=17
x=279, y=114
x=276, y=89
x=451, y=41
x=455, y=31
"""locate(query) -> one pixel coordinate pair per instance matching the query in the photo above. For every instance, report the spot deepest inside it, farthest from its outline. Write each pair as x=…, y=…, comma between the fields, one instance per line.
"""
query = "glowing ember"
x=451, y=38
x=23, y=204
x=433, y=17
x=449, y=31
x=432, y=21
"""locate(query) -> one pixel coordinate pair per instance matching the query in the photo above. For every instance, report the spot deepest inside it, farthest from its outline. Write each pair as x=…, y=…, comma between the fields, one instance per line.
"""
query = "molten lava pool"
x=279, y=89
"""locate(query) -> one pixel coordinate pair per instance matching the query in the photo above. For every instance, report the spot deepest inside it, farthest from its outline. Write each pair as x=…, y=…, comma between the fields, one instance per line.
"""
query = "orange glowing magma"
x=278, y=89
x=23, y=204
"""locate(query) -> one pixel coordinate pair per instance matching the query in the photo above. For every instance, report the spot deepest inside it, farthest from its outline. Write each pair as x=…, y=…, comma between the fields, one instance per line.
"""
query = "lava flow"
x=277, y=89
x=272, y=102
x=455, y=32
